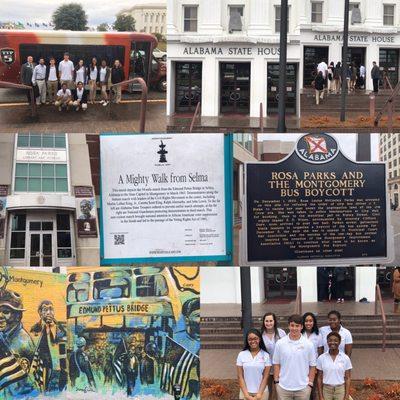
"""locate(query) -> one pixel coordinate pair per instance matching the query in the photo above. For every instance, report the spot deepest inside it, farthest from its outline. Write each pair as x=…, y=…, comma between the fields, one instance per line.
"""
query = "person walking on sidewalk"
x=253, y=366
x=319, y=87
x=375, y=75
x=294, y=363
x=334, y=371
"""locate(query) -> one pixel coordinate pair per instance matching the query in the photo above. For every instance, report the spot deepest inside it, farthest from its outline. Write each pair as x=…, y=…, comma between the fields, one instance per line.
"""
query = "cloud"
x=41, y=10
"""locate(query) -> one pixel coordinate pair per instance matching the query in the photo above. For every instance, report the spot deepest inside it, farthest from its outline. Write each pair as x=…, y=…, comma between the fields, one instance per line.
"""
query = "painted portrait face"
x=193, y=324
x=8, y=318
x=86, y=207
x=47, y=313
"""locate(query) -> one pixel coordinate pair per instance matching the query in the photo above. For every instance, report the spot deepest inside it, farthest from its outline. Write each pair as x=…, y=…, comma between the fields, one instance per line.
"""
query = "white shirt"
x=67, y=93
x=344, y=333
x=52, y=73
x=295, y=358
x=79, y=93
x=362, y=71
x=103, y=72
x=322, y=66
x=270, y=343
x=65, y=68
x=80, y=75
x=315, y=340
x=39, y=73
x=253, y=368
x=93, y=73
x=333, y=371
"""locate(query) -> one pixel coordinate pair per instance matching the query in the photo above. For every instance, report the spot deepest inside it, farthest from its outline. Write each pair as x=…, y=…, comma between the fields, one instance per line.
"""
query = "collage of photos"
x=200, y=200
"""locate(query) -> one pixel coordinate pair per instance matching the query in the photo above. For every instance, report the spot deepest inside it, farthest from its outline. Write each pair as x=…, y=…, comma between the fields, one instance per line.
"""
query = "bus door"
x=140, y=63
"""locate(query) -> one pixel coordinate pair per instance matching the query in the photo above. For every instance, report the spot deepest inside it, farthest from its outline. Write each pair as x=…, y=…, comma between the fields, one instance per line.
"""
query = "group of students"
x=64, y=85
x=308, y=363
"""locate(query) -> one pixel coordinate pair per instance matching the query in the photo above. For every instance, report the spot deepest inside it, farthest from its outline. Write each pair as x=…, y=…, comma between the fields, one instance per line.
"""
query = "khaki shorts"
x=263, y=397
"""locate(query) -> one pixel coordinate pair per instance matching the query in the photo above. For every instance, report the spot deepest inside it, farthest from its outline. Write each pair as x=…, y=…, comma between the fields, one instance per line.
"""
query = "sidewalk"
x=221, y=364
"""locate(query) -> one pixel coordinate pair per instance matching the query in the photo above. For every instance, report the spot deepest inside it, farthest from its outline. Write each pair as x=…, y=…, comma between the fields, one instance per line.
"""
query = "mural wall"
x=129, y=332
x=134, y=332
x=33, y=335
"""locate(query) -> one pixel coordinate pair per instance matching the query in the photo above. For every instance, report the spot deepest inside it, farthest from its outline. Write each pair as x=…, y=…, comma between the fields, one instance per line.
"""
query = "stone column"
x=210, y=15
x=373, y=13
x=259, y=23
x=172, y=7
x=335, y=12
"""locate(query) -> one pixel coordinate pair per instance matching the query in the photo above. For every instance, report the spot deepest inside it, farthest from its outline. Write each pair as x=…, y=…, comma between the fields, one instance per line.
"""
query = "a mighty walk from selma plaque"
x=316, y=207
x=166, y=198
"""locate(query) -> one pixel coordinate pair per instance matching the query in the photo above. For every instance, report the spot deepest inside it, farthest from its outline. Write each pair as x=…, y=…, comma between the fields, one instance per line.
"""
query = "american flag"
x=118, y=361
x=42, y=362
x=177, y=366
x=10, y=369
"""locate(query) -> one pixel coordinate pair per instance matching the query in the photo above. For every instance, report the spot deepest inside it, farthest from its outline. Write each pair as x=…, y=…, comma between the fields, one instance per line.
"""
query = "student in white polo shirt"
x=253, y=366
x=294, y=363
x=334, y=371
x=335, y=325
x=66, y=71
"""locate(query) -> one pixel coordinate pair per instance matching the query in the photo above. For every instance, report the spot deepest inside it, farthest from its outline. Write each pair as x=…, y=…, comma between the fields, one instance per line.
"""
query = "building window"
x=156, y=29
x=355, y=13
x=35, y=140
x=388, y=14
x=161, y=29
x=278, y=19
x=35, y=177
x=235, y=18
x=18, y=231
x=151, y=17
x=64, y=246
x=157, y=16
x=316, y=12
x=190, y=19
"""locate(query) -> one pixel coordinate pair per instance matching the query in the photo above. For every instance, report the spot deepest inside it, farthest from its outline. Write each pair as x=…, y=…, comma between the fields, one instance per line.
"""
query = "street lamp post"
x=344, y=60
x=245, y=288
x=282, y=67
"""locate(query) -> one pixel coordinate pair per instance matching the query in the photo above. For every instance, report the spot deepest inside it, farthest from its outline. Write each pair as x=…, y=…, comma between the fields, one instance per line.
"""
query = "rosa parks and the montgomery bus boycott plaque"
x=315, y=207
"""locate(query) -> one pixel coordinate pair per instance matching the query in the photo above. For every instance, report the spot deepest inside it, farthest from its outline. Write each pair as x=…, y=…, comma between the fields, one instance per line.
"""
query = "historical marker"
x=316, y=207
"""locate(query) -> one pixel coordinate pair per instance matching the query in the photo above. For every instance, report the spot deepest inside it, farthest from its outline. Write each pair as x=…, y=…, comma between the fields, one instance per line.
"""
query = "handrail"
x=143, y=103
x=390, y=84
x=394, y=93
x=196, y=111
x=298, y=307
x=11, y=85
x=379, y=301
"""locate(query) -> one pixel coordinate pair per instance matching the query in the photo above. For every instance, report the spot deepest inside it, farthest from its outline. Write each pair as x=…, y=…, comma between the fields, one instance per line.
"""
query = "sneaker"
x=102, y=101
x=105, y=104
x=338, y=301
x=342, y=301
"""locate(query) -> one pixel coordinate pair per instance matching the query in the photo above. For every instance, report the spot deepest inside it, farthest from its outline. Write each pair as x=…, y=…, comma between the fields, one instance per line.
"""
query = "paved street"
x=221, y=364
x=15, y=116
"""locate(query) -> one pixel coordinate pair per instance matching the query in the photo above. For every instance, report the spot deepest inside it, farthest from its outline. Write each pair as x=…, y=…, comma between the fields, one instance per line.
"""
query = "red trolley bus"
x=133, y=49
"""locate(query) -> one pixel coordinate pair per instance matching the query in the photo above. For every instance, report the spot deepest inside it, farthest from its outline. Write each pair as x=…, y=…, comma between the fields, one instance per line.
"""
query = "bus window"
x=149, y=286
x=140, y=60
x=111, y=288
x=76, y=52
x=77, y=292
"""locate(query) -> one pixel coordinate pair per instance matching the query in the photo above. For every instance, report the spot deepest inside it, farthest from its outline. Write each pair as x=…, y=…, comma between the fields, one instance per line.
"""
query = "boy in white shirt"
x=294, y=363
x=64, y=98
x=66, y=71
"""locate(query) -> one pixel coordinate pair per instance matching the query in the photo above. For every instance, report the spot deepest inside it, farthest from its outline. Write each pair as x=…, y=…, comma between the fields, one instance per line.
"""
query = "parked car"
x=160, y=55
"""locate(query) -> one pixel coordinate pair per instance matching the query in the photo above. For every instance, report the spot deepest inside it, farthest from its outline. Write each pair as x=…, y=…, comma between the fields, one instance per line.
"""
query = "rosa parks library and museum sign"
x=166, y=198
x=316, y=207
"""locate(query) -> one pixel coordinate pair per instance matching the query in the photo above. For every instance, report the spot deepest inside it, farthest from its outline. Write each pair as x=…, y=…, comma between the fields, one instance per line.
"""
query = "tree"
x=103, y=27
x=160, y=37
x=124, y=23
x=71, y=17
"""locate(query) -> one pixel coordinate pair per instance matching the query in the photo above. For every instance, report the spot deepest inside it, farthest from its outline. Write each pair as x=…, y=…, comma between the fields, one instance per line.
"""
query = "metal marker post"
x=344, y=60
x=245, y=287
x=282, y=67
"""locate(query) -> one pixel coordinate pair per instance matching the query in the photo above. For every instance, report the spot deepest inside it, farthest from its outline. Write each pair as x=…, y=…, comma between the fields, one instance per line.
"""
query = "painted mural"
x=133, y=332
x=33, y=335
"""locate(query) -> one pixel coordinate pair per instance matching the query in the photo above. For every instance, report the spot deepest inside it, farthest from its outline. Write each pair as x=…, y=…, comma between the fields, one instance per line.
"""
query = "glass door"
x=187, y=86
x=389, y=64
x=311, y=58
x=41, y=252
x=280, y=283
x=235, y=88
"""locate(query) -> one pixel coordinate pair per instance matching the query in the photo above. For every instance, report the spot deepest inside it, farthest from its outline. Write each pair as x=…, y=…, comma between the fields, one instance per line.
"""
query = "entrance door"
x=356, y=55
x=280, y=283
x=313, y=55
x=41, y=250
x=235, y=88
x=330, y=278
x=389, y=62
x=272, y=88
x=187, y=86
x=384, y=276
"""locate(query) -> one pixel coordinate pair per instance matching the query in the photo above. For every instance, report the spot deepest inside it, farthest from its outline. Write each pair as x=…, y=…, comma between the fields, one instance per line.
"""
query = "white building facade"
x=389, y=151
x=225, y=53
x=150, y=17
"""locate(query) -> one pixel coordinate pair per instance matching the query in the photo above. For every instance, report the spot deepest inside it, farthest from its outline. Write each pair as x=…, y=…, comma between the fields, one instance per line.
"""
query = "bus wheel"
x=162, y=85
